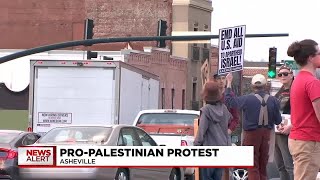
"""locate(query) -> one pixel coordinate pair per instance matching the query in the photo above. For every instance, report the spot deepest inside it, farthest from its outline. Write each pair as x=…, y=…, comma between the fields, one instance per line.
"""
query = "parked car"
x=10, y=140
x=113, y=135
x=170, y=127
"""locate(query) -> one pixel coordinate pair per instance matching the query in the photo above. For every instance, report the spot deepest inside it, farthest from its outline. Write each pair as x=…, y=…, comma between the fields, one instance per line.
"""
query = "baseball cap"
x=258, y=80
x=216, y=75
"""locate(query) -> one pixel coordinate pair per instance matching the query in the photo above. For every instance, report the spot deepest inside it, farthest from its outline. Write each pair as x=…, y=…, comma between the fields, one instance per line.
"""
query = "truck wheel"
x=189, y=177
x=122, y=174
x=174, y=175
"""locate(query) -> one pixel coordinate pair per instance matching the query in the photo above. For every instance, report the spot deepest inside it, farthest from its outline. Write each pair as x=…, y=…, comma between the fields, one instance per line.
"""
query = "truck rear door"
x=72, y=95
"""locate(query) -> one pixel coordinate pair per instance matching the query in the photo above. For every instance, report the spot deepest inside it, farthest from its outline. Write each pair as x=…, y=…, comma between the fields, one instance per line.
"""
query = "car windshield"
x=7, y=137
x=167, y=119
x=80, y=134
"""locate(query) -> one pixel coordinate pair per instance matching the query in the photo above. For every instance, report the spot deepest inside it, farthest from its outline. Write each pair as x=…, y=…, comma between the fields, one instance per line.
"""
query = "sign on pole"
x=292, y=64
x=231, y=49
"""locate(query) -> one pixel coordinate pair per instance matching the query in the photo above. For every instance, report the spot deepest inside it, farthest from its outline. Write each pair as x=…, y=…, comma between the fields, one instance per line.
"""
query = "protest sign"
x=231, y=49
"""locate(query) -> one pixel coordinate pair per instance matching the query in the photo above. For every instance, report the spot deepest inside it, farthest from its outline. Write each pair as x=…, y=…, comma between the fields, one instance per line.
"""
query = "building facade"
x=190, y=16
x=28, y=24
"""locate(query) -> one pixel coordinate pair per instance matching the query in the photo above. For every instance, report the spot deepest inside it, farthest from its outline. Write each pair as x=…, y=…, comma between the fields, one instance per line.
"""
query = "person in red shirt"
x=304, y=138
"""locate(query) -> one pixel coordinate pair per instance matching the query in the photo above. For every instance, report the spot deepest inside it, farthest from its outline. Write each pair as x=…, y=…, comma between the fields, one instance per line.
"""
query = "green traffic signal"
x=271, y=74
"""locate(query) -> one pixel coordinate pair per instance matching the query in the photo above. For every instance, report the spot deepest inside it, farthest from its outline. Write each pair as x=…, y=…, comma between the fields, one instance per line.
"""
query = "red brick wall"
x=27, y=24
x=128, y=18
x=172, y=73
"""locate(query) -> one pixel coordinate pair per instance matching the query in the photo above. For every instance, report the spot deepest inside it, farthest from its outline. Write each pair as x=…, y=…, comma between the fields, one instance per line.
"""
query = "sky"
x=297, y=17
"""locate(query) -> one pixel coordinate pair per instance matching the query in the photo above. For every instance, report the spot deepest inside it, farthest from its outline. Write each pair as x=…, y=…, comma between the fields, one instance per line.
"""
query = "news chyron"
x=134, y=156
x=36, y=156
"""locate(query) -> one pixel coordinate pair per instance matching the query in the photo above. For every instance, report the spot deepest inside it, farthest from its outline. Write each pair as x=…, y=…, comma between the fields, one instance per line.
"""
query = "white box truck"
x=88, y=92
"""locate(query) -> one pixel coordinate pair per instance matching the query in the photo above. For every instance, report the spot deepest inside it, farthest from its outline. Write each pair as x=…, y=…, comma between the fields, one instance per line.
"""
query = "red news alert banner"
x=135, y=156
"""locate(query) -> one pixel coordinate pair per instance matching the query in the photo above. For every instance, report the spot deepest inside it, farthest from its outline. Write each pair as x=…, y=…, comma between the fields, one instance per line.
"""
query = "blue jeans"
x=211, y=173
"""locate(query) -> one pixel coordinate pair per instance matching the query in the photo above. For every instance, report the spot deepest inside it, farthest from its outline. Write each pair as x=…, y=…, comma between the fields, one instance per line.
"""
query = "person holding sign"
x=221, y=80
x=282, y=154
x=261, y=113
x=304, y=138
x=213, y=126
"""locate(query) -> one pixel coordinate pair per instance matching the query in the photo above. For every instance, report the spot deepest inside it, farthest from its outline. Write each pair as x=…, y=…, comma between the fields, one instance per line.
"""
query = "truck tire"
x=122, y=174
x=174, y=175
x=189, y=177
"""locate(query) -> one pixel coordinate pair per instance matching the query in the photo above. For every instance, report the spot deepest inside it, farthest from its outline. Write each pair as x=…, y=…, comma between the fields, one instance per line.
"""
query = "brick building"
x=28, y=24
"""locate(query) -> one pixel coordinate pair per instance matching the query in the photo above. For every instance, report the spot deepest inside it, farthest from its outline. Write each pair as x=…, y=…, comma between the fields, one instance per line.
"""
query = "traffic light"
x=162, y=31
x=88, y=29
x=91, y=54
x=272, y=66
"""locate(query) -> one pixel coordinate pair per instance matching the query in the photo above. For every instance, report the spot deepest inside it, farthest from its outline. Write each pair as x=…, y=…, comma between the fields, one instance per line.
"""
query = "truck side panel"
x=130, y=95
x=154, y=92
x=72, y=95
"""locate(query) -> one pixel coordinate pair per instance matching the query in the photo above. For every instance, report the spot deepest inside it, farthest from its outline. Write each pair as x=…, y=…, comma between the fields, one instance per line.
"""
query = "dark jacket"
x=283, y=95
x=250, y=105
x=235, y=115
x=213, y=126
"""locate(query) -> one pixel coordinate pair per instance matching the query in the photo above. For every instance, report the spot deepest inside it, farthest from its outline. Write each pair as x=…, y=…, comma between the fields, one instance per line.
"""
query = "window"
x=195, y=53
x=88, y=135
x=205, y=27
x=172, y=98
x=194, y=91
x=205, y=54
x=145, y=139
x=163, y=98
x=127, y=137
x=196, y=26
x=183, y=98
x=29, y=139
x=167, y=119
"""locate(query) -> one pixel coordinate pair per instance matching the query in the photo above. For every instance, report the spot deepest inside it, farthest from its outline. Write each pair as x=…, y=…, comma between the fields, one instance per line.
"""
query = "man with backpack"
x=261, y=112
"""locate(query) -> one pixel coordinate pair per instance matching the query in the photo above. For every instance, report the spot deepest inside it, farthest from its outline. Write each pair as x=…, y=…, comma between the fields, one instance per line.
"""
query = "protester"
x=304, y=138
x=213, y=126
x=282, y=154
x=221, y=80
x=261, y=113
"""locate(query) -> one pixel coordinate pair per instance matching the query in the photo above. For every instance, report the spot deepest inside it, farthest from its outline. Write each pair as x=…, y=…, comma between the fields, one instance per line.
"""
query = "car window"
x=79, y=134
x=29, y=139
x=128, y=137
x=145, y=139
x=167, y=119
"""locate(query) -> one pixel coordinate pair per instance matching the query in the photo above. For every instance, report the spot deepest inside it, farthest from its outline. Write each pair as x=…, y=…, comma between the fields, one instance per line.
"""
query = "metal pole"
x=90, y=42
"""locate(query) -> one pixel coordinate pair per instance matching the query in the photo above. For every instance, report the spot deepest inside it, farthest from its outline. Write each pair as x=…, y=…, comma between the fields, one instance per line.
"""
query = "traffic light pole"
x=90, y=42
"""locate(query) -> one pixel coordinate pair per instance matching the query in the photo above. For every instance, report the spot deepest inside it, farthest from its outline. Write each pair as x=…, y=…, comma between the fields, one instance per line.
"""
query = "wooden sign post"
x=195, y=128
